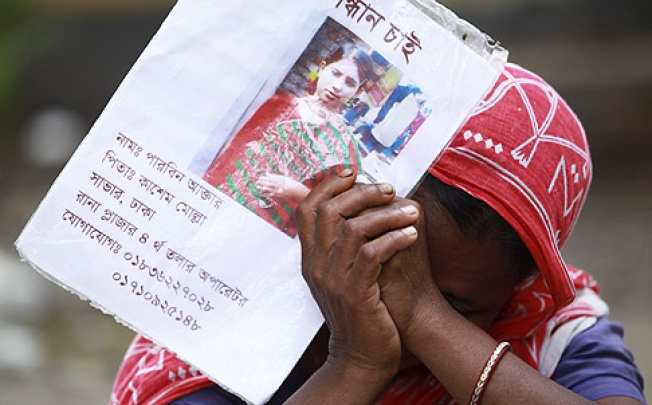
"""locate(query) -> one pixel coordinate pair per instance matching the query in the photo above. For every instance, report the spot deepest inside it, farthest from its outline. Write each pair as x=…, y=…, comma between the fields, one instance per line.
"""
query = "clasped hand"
x=367, y=268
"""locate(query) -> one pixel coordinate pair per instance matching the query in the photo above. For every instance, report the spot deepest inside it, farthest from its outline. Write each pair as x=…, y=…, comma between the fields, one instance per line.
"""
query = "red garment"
x=278, y=140
x=150, y=374
x=524, y=153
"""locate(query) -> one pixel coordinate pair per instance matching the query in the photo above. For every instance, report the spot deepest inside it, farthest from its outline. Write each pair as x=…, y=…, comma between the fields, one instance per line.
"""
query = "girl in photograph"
x=291, y=143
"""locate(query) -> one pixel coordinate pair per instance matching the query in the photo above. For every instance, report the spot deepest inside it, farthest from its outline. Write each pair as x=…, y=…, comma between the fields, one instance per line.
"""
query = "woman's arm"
x=453, y=348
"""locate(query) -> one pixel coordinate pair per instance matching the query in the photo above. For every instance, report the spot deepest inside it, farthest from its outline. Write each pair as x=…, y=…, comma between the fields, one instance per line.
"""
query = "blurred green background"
x=61, y=60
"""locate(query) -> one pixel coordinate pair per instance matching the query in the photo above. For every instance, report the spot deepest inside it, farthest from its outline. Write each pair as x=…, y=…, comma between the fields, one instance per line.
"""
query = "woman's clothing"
x=280, y=139
x=597, y=364
x=602, y=343
x=215, y=395
x=611, y=365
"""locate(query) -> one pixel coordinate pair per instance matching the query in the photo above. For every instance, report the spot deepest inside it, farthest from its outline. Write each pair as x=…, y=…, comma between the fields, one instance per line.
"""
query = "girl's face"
x=337, y=83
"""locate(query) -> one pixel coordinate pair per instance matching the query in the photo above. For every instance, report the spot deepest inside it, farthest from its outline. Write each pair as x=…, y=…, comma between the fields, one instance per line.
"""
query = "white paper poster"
x=175, y=213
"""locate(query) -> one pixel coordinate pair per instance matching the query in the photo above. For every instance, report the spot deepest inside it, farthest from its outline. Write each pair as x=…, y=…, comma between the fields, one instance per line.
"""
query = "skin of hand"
x=277, y=185
x=345, y=240
x=406, y=282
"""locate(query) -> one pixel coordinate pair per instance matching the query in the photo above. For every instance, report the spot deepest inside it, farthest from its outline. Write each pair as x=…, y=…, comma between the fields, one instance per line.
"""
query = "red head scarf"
x=525, y=154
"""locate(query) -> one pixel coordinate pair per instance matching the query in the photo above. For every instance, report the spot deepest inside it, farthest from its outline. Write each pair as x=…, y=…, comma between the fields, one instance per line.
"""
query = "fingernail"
x=409, y=231
x=386, y=188
x=346, y=173
x=410, y=209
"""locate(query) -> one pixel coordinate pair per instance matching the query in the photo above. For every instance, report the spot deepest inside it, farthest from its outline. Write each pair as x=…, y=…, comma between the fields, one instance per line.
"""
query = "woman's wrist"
x=344, y=382
x=432, y=317
x=360, y=371
x=364, y=382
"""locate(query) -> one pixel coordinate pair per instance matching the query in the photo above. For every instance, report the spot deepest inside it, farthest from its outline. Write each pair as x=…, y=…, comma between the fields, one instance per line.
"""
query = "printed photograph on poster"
x=341, y=104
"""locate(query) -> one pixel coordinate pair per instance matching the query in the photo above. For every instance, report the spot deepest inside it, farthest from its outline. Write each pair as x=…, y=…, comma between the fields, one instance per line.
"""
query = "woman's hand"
x=277, y=185
x=407, y=286
x=347, y=232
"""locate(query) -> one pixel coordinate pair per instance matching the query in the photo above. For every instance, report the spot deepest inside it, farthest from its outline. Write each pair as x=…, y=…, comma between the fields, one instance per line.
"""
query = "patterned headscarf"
x=524, y=153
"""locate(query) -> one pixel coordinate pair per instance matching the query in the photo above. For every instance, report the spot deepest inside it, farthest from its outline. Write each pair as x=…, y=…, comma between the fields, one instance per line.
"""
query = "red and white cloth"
x=525, y=154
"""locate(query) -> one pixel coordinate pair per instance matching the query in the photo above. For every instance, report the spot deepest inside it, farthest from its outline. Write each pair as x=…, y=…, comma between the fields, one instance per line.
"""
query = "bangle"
x=487, y=371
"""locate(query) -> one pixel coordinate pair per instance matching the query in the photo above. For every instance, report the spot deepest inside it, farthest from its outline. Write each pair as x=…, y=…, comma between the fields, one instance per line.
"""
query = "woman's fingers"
x=372, y=255
x=306, y=212
x=374, y=222
x=333, y=216
x=367, y=227
x=340, y=229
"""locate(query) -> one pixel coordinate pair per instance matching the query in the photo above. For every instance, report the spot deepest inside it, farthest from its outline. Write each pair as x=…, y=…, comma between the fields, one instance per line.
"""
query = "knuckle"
x=369, y=254
x=351, y=230
x=305, y=215
x=302, y=210
x=317, y=279
x=326, y=210
x=301, y=214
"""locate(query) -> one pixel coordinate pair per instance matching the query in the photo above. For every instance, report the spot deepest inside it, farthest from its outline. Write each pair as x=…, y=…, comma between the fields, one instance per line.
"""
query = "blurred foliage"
x=16, y=22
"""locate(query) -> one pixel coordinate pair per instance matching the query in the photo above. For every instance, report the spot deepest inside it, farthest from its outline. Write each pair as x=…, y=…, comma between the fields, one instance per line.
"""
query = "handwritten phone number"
x=161, y=277
x=171, y=311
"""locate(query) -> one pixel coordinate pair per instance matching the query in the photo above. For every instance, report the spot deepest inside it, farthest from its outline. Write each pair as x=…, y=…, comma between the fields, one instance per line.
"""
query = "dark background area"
x=61, y=60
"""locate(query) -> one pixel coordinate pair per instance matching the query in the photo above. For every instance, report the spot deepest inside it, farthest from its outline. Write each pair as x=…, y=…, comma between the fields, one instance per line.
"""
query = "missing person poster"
x=175, y=214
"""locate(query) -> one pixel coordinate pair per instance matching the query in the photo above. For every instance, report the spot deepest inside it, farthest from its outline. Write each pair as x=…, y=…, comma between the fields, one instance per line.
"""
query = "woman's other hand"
x=406, y=282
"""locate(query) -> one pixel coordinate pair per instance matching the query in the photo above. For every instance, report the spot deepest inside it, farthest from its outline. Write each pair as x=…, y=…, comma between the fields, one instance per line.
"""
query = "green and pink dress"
x=278, y=140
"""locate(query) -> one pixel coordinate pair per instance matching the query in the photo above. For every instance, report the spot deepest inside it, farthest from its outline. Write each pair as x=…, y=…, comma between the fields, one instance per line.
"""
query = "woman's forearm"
x=342, y=384
x=456, y=352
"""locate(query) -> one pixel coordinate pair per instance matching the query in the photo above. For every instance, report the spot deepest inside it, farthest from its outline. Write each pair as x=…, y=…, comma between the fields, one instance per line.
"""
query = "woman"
x=425, y=298
x=291, y=143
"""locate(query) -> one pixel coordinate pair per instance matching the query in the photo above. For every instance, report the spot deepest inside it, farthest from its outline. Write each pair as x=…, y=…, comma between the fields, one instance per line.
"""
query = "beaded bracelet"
x=487, y=371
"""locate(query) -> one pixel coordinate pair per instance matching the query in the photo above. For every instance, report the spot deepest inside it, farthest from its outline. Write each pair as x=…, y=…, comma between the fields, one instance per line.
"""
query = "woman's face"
x=337, y=83
x=473, y=275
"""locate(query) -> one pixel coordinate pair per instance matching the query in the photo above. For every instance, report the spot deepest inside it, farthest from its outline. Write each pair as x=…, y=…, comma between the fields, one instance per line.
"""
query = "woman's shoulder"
x=597, y=363
x=212, y=395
